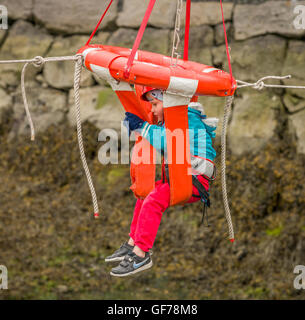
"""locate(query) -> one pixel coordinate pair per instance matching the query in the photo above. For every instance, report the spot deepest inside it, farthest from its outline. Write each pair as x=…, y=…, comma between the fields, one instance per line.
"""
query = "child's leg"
x=152, y=210
x=134, y=221
x=149, y=219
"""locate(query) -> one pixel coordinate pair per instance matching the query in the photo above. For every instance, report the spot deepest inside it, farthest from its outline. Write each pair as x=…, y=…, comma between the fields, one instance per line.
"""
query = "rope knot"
x=38, y=61
x=259, y=85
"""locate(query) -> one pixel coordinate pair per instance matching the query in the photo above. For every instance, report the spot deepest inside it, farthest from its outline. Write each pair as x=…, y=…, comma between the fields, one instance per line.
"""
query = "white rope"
x=25, y=102
x=37, y=62
x=227, y=111
x=260, y=84
x=77, y=76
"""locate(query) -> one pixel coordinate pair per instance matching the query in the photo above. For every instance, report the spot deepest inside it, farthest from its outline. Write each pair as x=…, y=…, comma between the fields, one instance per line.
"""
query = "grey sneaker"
x=132, y=264
x=120, y=253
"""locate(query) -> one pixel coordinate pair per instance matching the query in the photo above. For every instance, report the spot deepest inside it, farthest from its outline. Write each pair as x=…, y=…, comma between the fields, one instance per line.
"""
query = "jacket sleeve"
x=156, y=135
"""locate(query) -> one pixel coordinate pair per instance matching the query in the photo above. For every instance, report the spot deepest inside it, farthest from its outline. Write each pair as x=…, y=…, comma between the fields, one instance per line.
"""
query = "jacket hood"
x=209, y=123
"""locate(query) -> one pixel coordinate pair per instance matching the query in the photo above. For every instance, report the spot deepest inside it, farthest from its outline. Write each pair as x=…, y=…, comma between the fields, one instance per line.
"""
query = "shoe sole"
x=147, y=266
x=119, y=259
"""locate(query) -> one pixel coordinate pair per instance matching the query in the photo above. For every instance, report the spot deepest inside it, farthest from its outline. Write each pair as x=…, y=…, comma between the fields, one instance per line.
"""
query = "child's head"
x=155, y=97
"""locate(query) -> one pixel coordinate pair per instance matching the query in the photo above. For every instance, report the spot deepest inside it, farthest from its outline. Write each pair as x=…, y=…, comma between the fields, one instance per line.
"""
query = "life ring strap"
x=178, y=154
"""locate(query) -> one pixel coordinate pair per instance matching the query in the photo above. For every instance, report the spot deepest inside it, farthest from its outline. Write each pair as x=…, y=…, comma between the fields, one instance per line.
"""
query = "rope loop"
x=259, y=85
x=80, y=57
x=38, y=61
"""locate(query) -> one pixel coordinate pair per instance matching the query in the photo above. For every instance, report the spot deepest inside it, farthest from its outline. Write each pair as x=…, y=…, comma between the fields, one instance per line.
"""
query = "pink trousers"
x=148, y=213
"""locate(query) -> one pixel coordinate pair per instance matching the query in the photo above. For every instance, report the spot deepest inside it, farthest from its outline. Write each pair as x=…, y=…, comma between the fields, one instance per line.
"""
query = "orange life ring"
x=155, y=70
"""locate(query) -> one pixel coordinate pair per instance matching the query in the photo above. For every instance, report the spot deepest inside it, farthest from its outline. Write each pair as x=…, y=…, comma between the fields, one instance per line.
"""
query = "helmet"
x=156, y=93
x=145, y=89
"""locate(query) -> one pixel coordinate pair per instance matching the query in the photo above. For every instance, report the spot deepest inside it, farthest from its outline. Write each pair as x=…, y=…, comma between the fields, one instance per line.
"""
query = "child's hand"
x=132, y=122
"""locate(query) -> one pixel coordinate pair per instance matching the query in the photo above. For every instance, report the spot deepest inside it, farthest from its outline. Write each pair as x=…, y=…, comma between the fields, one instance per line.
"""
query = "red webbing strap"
x=139, y=38
x=227, y=46
x=187, y=30
x=178, y=154
x=142, y=166
x=94, y=31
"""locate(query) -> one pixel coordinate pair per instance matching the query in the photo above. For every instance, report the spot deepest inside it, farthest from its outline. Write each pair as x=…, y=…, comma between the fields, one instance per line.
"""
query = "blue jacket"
x=200, y=135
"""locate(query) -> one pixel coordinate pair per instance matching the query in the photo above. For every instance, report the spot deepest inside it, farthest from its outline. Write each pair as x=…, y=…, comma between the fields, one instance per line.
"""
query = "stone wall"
x=263, y=41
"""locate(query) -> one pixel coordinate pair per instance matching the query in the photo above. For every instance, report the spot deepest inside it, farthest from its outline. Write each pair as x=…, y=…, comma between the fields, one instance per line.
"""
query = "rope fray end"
x=232, y=240
x=96, y=215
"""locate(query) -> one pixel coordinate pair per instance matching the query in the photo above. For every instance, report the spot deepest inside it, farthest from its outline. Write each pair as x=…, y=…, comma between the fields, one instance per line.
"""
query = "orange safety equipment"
x=181, y=83
x=156, y=70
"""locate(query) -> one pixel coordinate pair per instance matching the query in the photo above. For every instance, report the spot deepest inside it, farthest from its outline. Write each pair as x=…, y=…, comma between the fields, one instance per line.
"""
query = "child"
x=135, y=255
